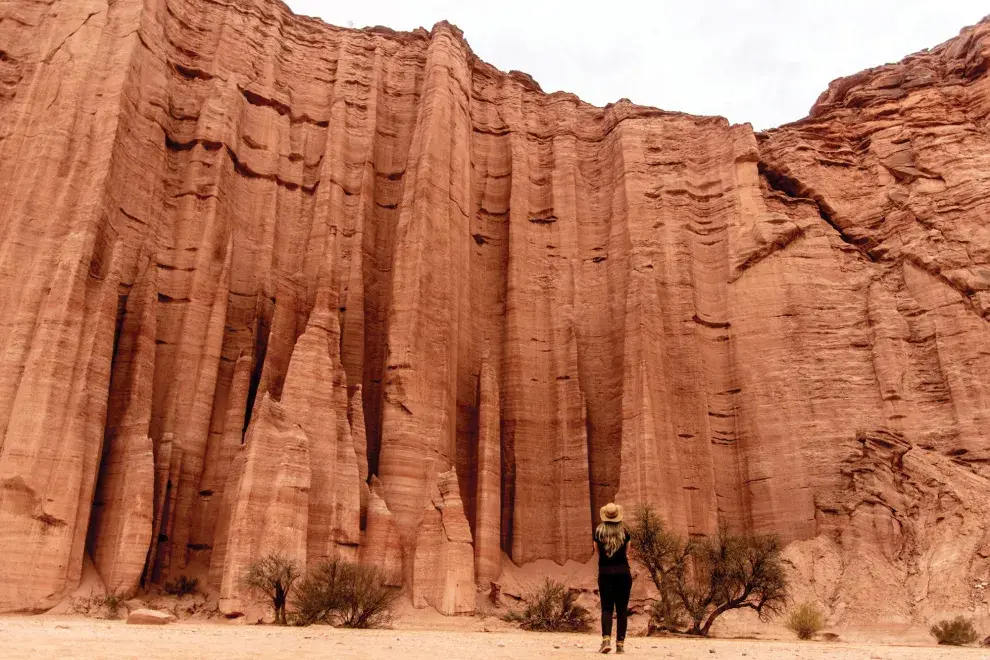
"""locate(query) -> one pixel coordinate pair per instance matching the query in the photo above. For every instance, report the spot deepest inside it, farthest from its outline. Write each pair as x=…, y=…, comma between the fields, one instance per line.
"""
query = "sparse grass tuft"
x=104, y=605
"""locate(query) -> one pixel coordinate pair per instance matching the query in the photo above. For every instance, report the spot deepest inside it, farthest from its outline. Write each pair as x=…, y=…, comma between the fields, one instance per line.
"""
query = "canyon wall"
x=273, y=285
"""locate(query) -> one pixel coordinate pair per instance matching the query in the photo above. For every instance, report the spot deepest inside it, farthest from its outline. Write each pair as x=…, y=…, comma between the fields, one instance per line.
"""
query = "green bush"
x=957, y=632
x=181, y=586
x=805, y=620
x=553, y=608
x=346, y=595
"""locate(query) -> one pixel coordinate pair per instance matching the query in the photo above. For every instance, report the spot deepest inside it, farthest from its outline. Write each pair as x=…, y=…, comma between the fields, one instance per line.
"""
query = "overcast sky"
x=758, y=61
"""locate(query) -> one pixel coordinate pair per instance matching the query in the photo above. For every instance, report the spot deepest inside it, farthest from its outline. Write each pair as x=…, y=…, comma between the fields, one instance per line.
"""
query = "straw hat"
x=611, y=512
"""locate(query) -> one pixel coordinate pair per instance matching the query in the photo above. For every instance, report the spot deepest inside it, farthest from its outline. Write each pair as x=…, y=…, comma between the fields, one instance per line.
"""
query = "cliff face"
x=252, y=263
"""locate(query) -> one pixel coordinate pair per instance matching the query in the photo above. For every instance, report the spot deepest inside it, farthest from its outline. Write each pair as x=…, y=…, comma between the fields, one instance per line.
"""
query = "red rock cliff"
x=251, y=263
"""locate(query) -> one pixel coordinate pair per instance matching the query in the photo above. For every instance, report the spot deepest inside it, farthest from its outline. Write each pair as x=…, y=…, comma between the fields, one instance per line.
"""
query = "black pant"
x=614, y=591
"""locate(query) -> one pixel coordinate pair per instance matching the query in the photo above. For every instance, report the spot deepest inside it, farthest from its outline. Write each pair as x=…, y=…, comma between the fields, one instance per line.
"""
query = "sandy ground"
x=38, y=638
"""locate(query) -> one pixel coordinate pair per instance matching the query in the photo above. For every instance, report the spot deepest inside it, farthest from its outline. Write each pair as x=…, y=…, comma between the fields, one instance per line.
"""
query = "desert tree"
x=705, y=578
x=729, y=571
x=273, y=576
x=660, y=552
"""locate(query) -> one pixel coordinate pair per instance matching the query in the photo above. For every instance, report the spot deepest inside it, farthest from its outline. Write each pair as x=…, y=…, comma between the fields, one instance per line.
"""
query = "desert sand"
x=39, y=638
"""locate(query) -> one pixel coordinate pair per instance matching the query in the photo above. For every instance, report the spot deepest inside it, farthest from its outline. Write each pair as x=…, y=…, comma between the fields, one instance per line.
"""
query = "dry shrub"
x=273, y=576
x=956, y=632
x=553, y=608
x=181, y=586
x=666, y=615
x=805, y=620
x=346, y=595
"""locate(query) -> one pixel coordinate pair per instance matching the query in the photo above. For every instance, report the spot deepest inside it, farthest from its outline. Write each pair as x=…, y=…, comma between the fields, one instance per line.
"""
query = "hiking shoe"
x=620, y=647
x=606, y=646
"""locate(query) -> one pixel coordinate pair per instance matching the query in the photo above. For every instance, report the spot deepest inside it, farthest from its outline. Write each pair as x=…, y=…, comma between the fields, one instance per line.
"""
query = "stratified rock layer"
x=252, y=263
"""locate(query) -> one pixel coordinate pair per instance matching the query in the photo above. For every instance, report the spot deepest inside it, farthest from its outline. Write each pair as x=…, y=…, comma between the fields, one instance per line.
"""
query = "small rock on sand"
x=150, y=617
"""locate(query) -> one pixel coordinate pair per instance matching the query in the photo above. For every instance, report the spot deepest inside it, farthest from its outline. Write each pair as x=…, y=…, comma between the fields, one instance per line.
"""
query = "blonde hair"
x=612, y=536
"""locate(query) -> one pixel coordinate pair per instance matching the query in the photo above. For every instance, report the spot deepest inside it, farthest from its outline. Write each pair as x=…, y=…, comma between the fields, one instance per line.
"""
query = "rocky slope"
x=272, y=284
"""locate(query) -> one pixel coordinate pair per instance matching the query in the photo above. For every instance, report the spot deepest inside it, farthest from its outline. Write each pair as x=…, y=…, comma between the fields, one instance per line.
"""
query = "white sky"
x=758, y=61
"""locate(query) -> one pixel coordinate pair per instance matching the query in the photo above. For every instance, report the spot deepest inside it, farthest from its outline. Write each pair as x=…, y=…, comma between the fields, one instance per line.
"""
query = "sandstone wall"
x=372, y=255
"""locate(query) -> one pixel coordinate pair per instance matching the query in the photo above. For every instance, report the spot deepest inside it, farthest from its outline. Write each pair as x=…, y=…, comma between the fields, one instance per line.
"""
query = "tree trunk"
x=279, y=608
x=711, y=619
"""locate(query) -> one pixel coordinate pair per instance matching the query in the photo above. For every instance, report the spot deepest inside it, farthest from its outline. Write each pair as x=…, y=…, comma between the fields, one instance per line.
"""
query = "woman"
x=614, y=578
